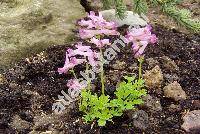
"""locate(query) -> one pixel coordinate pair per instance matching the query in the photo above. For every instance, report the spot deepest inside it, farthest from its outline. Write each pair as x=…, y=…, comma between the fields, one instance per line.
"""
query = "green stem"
x=88, y=81
x=72, y=70
x=140, y=66
x=102, y=73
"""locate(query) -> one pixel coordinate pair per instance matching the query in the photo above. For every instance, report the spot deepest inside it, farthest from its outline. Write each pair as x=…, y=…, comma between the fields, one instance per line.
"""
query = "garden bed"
x=28, y=91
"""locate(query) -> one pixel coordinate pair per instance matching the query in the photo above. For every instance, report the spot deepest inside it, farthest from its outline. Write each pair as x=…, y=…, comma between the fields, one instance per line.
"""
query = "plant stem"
x=72, y=70
x=140, y=66
x=102, y=73
x=88, y=81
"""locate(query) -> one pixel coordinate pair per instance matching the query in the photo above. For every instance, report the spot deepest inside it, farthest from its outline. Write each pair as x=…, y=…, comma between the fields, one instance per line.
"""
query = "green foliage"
x=140, y=6
x=103, y=109
x=182, y=16
x=120, y=9
x=107, y=4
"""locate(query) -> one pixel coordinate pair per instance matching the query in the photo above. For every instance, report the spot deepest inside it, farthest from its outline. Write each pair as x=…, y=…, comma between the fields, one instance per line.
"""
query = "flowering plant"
x=140, y=38
x=129, y=92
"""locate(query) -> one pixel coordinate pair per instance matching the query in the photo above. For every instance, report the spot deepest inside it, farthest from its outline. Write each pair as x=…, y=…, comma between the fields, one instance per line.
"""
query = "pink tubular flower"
x=139, y=49
x=96, y=25
x=84, y=33
x=141, y=34
x=75, y=85
x=85, y=51
x=140, y=37
x=109, y=32
x=99, y=43
x=68, y=65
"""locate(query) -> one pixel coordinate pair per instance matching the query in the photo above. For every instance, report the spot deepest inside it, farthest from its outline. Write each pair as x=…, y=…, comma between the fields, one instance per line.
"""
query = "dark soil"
x=28, y=90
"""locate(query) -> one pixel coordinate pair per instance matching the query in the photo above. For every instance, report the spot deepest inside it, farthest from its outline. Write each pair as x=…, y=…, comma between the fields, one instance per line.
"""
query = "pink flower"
x=71, y=61
x=88, y=23
x=84, y=34
x=76, y=61
x=153, y=39
x=100, y=43
x=96, y=25
x=109, y=32
x=139, y=49
x=68, y=65
x=75, y=84
x=93, y=59
x=141, y=34
x=140, y=37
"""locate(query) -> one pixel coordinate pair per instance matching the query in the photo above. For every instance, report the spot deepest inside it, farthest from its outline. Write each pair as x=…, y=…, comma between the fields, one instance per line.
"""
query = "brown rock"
x=119, y=65
x=192, y=121
x=154, y=77
x=140, y=119
x=174, y=91
x=19, y=124
x=174, y=108
x=169, y=64
x=2, y=79
x=152, y=62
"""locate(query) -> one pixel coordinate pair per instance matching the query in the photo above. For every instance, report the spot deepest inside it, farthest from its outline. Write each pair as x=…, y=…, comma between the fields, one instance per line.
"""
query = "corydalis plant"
x=129, y=92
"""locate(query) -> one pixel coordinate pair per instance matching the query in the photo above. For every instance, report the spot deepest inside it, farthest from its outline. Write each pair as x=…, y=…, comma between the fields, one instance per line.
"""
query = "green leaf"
x=130, y=79
x=101, y=122
x=103, y=109
x=140, y=6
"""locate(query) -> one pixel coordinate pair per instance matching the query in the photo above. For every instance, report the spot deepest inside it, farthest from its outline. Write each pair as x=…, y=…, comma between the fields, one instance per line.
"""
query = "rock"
x=169, y=64
x=2, y=79
x=140, y=120
x=152, y=62
x=153, y=78
x=192, y=121
x=28, y=26
x=113, y=76
x=152, y=103
x=133, y=67
x=130, y=19
x=196, y=104
x=19, y=124
x=45, y=120
x=119, y=65
x=174, y=91
x=171, y=77
x=174, y=108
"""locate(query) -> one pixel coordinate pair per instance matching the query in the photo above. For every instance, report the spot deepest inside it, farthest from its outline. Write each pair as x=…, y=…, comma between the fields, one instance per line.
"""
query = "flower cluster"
x=71, y=60
x=96, y=25
x=140, y=38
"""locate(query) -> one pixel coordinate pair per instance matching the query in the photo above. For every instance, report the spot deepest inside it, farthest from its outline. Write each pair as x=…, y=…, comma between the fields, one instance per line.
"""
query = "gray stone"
x=28, y=26
x=152, y=104
x=171, y=77
x=191, y=121
x=153, y=78
x=174, y=91
x=140, y=119
x=131, y=18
